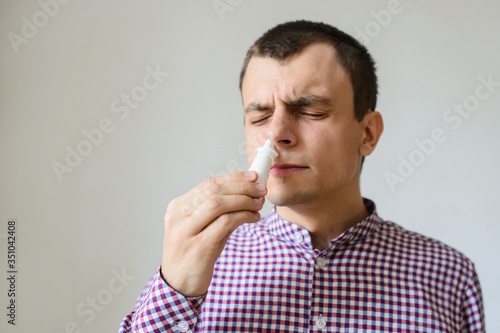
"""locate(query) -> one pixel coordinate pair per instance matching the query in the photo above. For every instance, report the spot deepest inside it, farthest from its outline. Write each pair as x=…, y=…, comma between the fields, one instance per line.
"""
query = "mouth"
x=286, y=169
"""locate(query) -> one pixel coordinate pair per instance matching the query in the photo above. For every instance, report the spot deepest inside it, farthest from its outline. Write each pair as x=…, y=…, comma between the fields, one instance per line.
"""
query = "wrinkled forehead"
x=315, y=70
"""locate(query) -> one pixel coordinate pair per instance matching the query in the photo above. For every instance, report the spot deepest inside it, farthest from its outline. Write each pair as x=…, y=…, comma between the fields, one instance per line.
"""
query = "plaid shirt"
x=374, y=277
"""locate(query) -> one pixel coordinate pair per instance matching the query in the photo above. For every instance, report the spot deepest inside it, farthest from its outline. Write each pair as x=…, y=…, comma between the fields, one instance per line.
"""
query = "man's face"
x=305, y=106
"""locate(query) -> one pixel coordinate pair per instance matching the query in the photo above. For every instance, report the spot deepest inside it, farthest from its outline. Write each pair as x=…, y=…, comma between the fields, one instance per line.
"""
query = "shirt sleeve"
x=472, y=307
x=160, y=308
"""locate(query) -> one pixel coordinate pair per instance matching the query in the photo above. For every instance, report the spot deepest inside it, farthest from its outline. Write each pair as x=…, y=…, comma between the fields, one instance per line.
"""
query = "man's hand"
x=199, y=223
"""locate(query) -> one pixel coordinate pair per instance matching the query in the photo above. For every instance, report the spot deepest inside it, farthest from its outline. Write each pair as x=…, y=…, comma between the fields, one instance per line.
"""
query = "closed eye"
x=312, y=114
x=254, y=122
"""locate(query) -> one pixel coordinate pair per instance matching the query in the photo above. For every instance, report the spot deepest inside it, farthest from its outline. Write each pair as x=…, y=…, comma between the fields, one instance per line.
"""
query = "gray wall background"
x=105, y=218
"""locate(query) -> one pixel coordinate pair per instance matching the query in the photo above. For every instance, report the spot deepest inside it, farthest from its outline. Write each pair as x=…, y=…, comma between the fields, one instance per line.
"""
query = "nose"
x=281, y=129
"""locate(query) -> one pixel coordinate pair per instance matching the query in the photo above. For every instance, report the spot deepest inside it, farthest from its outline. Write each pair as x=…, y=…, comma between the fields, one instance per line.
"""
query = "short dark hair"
x=290, y=38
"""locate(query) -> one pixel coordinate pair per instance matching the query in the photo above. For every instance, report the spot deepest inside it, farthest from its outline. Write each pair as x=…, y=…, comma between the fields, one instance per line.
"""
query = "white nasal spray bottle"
x=263, y=161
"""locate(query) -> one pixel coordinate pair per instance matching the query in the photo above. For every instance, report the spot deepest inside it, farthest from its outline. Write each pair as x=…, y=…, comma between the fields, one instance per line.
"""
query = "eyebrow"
x=309, y=100
x=256, y=106
x=306, y=100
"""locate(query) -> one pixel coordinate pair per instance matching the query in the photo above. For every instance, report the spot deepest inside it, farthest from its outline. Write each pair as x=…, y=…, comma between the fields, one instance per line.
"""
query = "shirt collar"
x=291, y=232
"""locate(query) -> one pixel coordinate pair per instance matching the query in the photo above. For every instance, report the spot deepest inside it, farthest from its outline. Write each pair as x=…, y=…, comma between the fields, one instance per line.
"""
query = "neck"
x=327, y=217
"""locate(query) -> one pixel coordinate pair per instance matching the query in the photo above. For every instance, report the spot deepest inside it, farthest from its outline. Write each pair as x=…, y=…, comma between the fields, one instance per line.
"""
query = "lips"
x=286, y=169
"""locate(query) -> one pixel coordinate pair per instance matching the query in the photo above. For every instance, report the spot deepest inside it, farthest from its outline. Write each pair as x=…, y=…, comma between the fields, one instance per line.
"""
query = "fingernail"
x=260, y=187
x=249, y=174
x=257, y=201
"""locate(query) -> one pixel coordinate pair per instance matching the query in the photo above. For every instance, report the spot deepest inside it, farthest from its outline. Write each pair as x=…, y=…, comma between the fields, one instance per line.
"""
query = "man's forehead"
x=315, y=71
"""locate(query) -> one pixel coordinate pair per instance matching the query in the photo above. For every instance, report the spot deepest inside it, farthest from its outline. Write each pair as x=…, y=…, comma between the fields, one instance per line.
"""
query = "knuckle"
x=185, y=210
x=246, y=187
x=213, y=203
x=177, y=207
x=232, y=176
x=213, y=188
x=224, y=219
x=172, y=204
x=168, y=220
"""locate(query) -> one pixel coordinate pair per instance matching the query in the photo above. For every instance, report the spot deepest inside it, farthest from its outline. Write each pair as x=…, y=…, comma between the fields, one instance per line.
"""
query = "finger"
x=216, y=206
x=231, y=183
x=209, y=184
x=254, y=190
x=225, y=224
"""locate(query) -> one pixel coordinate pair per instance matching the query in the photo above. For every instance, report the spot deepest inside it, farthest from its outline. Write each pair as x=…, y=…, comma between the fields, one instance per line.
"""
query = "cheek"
x=320, y=138
x=251, y=144
x=333, y=145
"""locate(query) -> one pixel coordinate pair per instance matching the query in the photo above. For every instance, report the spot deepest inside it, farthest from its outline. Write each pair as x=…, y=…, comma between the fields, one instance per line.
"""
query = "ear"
x=372, y=127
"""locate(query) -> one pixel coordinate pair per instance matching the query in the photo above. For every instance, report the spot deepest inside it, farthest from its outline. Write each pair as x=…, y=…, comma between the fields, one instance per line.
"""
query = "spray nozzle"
x=263, y=161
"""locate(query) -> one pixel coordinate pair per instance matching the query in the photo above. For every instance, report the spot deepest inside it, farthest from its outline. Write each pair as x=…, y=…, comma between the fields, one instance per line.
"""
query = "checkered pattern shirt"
x=374, y=277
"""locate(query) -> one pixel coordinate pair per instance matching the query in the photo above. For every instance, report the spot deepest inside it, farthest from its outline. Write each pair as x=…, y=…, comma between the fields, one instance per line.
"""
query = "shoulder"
x=418, y=247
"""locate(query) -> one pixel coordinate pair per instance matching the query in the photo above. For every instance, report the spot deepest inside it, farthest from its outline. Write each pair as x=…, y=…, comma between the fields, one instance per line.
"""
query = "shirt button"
x=182, y=326
x=298, y=238
x=321, y=262
x=320, y=322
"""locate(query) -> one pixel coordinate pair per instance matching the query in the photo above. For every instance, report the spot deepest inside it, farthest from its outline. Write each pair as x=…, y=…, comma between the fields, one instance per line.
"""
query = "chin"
x=286, y=197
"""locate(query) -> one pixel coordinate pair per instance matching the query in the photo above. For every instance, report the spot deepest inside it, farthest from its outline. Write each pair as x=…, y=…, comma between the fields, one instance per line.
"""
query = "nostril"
x=285, y=141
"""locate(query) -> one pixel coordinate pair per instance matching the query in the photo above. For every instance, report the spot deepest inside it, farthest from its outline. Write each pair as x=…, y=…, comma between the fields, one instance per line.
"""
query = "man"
x=323, y=259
